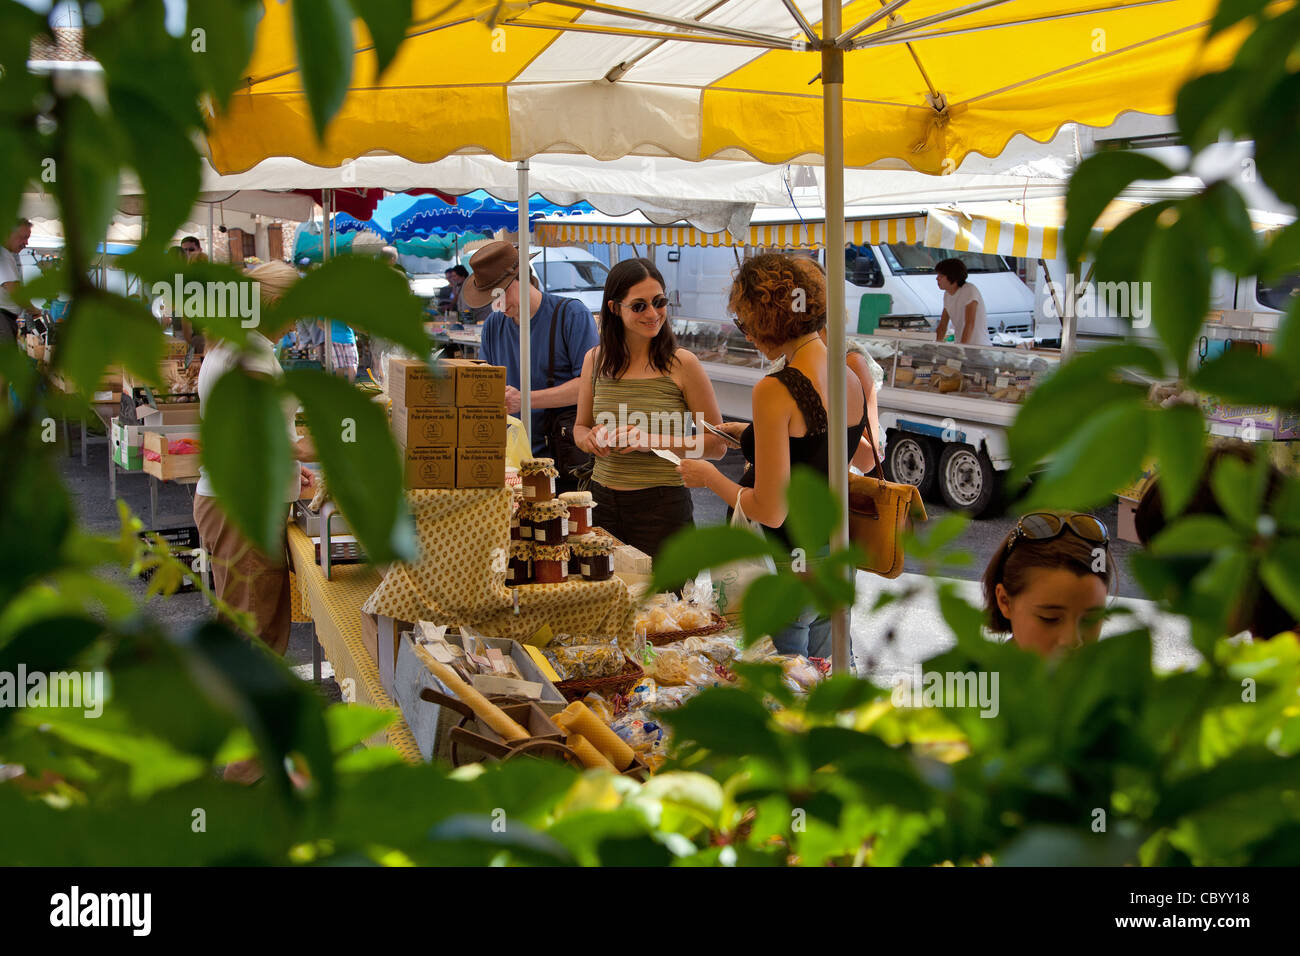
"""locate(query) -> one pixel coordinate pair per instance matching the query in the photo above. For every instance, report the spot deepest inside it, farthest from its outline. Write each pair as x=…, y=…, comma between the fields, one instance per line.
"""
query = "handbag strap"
x=875, y=459
x=550, y=362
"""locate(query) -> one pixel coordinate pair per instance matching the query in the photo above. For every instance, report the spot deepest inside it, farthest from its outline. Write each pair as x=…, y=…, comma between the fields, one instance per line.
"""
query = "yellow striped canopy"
x=926, y=81
x=941, y=229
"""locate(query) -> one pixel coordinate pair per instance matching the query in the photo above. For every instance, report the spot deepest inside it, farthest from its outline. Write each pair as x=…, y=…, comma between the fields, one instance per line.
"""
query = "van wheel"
x=912, y=460
x=967, y=480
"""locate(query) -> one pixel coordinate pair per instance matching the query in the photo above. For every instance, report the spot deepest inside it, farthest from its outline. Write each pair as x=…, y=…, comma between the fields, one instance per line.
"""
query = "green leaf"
x=1239, y=491
x=728, y=722
x=1051, y=846
x=839, y=693
x=87, y=177
x=1209, y=104
x=1286, y=347
x=1119, y=257
x=284, y=713
x=216, y=298
x=689, y=552
x=1049, y=417
x=229, y=29
x=521, y=841
x=1282, y=256
x=102, y=330
x=1230, y=12
x=322, y=34
x=1097, y=181
x=1232, y=242
x=350, y=725
x=163, y=153
x=1245, y=773
x=387, y=21
x=1196, y=534
x=1179, y=274
x=1280, y=572
x=1100, y=457
x=1178, y=435
x=1249, y=379
x=246, y=454
x=362, y=469
x=361, y=292
x=1276, y=125
x=813, y=512
x=772, y=602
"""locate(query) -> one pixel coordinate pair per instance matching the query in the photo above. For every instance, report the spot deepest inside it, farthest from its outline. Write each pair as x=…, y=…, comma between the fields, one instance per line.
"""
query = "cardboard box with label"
x=128, y=445
x=480, y=467
x=429, y=466
x=413, y=383
x=477, y=383
x=167, y=415
x=482, y=426
x=425, y=425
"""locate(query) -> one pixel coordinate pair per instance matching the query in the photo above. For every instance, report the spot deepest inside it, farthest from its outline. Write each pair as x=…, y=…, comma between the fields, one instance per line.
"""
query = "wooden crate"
x=170, y=467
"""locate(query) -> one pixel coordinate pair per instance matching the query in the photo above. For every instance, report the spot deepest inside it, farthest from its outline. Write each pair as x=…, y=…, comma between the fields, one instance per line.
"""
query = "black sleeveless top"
x=812, y=449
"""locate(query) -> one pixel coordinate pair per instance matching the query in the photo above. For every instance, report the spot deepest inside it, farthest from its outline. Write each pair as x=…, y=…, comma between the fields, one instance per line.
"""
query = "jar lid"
x=577, y=499
x=531, y=467
x=551, y=552
x=549, y=510
x=592, y=545
x=521, y=550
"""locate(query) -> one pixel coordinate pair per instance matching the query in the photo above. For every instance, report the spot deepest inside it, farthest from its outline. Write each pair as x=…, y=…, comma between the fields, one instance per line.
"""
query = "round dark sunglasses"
x=659, y=302
x=1046, y=525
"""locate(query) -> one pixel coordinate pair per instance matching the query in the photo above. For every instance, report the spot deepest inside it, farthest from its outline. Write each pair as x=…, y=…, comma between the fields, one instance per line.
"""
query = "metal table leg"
x=83, y=441
x=153, y=502
x=112, y=475
x=316, y=655
x=67, y=440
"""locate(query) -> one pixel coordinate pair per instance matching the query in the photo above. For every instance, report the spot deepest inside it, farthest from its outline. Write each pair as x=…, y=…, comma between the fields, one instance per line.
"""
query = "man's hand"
x=513, y=400
x=306, y=482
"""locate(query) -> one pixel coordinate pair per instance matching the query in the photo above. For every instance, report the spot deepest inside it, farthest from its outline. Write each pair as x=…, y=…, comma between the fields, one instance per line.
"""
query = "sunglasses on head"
x=1046, y=525
x=659, y=303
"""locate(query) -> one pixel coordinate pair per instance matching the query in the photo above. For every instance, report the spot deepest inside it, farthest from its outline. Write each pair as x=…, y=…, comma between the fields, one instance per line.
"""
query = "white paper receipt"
x=667, y=455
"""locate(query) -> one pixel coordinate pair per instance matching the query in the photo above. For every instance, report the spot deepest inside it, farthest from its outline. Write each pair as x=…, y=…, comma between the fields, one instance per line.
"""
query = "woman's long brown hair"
x=613, y=358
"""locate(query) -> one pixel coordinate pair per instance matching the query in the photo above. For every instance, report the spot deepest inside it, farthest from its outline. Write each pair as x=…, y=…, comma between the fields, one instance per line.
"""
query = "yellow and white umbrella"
x=924, y=81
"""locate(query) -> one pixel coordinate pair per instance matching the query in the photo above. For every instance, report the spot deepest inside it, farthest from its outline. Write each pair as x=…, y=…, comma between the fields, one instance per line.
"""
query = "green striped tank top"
x=654, y=405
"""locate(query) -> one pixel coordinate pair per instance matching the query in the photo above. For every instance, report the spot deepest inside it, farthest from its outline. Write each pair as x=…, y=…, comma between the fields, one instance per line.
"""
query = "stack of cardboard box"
x=450, y=424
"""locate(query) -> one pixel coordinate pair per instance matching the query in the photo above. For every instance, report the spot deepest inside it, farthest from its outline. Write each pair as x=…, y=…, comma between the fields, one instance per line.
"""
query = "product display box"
x=481, y=427
x=429, y=466
x=412, y=383
x=481, y=467
x=425, y=425
x=178, y=413
x=170, y=467
x=128, y=445
x=477, y=383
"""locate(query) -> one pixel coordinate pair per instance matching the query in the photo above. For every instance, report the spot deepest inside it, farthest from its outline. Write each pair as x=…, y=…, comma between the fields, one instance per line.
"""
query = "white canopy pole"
x=525, y=310
x=837, y=367
x=212, y=247
x=327, y=347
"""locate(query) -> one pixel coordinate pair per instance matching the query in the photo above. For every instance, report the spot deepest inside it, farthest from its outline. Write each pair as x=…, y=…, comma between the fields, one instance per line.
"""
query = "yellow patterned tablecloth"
x=460, y=577
x=335, y=607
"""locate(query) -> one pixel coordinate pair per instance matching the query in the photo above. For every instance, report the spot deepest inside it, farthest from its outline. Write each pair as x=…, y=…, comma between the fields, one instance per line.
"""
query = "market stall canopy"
x=699, y=79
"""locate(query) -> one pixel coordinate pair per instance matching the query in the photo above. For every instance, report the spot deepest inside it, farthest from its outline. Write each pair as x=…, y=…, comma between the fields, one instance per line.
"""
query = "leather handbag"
x=879, y=512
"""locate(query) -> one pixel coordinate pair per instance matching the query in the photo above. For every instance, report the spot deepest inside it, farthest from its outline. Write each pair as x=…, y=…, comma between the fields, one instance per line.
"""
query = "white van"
x=699, y=279
x=572, y=272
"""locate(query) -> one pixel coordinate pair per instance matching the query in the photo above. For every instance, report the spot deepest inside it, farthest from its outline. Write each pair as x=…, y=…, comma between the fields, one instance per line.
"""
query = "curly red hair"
x=779, y=298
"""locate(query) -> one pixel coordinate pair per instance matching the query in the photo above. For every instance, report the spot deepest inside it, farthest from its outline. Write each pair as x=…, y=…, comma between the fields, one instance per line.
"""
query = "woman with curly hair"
x=779, y=304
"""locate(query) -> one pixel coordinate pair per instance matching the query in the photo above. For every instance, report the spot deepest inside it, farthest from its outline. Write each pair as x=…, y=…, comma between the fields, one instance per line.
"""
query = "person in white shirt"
x=11, y=276
x=244, y=577
x=962, y=305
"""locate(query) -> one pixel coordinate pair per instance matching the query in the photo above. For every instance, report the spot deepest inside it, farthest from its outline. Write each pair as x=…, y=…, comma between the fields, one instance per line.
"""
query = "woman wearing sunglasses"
x=640, y=392
x=1048, y=582
x=779, y=304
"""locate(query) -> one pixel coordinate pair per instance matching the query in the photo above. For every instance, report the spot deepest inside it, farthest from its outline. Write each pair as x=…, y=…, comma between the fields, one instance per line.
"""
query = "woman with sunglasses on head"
x=1048, y=582
x=779, y=304
x=640, y=392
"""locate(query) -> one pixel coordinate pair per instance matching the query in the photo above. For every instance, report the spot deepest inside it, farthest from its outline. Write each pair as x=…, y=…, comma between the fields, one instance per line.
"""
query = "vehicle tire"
x=967, y=480
x=912, y=460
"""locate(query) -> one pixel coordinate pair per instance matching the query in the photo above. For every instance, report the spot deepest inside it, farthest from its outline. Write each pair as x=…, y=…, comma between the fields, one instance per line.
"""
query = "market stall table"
x=335, y=609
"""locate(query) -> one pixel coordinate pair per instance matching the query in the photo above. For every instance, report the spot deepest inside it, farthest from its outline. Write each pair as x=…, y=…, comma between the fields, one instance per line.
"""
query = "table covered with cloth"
x=335, y=608
x=459, y=577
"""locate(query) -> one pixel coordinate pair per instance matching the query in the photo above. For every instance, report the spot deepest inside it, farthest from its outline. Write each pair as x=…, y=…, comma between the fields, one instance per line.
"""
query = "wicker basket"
x=619, y=683
x=660, y=638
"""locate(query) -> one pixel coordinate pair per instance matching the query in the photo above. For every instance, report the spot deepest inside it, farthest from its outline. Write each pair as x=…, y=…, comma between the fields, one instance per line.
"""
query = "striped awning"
x=938, y=228
x=782, y=235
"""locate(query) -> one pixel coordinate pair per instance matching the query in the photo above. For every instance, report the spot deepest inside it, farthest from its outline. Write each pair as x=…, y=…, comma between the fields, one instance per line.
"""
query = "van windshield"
x=572, y=276
x=908, y=260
